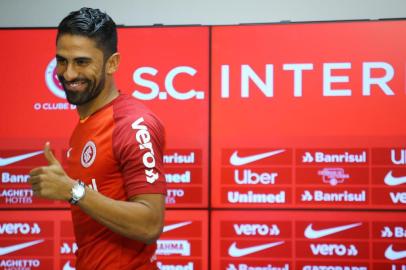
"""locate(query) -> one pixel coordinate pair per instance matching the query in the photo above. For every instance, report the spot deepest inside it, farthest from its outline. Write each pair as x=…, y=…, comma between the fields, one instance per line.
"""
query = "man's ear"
x=112, y=63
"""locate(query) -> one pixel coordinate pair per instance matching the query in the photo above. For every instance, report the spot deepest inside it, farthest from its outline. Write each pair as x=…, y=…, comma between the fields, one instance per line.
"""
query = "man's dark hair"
x=94, y=24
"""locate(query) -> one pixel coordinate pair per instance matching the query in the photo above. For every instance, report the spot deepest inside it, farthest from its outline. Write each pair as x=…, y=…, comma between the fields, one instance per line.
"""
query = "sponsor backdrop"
x=285, y=144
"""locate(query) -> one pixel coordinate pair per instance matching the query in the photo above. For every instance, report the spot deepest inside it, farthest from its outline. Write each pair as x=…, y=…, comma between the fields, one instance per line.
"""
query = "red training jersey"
x=117, y=151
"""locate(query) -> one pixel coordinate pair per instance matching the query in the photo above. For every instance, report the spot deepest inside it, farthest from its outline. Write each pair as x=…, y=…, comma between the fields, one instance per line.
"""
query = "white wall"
x=23, y=13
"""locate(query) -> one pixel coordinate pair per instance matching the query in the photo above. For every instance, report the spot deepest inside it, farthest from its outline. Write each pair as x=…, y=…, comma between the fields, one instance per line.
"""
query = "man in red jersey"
x=114, y=179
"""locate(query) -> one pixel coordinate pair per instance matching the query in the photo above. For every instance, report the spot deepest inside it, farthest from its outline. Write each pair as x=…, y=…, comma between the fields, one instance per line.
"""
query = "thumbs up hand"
x=51, y=182
x=49, y=155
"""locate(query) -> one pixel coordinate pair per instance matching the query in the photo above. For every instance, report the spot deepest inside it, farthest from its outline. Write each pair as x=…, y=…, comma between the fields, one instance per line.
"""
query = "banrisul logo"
x=51, y=79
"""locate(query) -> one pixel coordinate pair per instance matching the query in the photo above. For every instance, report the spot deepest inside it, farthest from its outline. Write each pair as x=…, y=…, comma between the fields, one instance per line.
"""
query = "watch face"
x=78, y=191
x=81, y=191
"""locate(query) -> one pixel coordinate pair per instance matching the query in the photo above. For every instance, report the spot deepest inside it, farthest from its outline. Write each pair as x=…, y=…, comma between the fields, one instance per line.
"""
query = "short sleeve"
x=138, y=145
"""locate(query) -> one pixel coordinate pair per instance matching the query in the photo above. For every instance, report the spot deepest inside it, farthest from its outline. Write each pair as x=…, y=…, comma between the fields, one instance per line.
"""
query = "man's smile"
x=77, y=85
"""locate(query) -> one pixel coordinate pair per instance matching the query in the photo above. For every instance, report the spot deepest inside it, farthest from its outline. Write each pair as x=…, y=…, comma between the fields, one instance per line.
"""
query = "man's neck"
x=106, y=96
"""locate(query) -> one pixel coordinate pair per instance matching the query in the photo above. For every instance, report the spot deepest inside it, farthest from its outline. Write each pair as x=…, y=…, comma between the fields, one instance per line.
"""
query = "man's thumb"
x=49, y=155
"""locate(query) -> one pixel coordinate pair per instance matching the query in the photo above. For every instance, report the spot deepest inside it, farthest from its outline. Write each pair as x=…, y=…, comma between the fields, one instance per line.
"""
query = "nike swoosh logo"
x=13, y=248
x=234, y=251
x=238, y=161
x=391, y=180
x=393, y=255
x=175, y=226
x=314, y=234
x=68, y=267
x=11, y=160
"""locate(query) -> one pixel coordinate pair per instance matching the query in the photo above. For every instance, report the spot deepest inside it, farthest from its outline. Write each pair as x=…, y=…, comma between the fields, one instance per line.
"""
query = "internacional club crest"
x=88, y=154
x=52, y=81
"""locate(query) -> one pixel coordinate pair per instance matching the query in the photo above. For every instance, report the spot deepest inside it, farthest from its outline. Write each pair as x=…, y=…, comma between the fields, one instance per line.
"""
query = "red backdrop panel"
x=34, y=110
x=309, y=115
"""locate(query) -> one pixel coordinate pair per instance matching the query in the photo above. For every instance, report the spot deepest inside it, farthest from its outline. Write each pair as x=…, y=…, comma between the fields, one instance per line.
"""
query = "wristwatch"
x=78, y=192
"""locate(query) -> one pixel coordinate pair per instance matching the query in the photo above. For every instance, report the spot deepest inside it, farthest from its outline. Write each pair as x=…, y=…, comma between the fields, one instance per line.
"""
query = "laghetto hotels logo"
x=53, y=84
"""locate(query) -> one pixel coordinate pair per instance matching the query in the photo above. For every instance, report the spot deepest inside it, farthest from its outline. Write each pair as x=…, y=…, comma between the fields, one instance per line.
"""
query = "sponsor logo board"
x=247, y=237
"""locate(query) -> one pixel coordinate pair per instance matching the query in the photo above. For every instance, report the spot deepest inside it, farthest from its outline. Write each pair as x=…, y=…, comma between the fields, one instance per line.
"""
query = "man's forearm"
x=141, y=218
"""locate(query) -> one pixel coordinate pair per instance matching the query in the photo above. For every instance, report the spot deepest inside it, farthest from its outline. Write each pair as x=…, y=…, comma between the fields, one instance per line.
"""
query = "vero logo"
x=256, y=229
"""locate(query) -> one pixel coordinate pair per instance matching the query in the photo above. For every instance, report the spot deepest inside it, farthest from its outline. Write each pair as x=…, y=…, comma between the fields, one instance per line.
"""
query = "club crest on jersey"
x=88, y=154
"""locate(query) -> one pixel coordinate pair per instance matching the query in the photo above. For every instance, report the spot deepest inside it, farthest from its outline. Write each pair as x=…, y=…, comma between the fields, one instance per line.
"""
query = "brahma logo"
x=172, y=247
x=333, y=176
x=88, y=154
x=51, y=79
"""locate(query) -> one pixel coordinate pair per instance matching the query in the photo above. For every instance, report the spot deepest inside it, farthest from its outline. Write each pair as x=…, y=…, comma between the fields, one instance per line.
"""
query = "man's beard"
x=83, y=97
